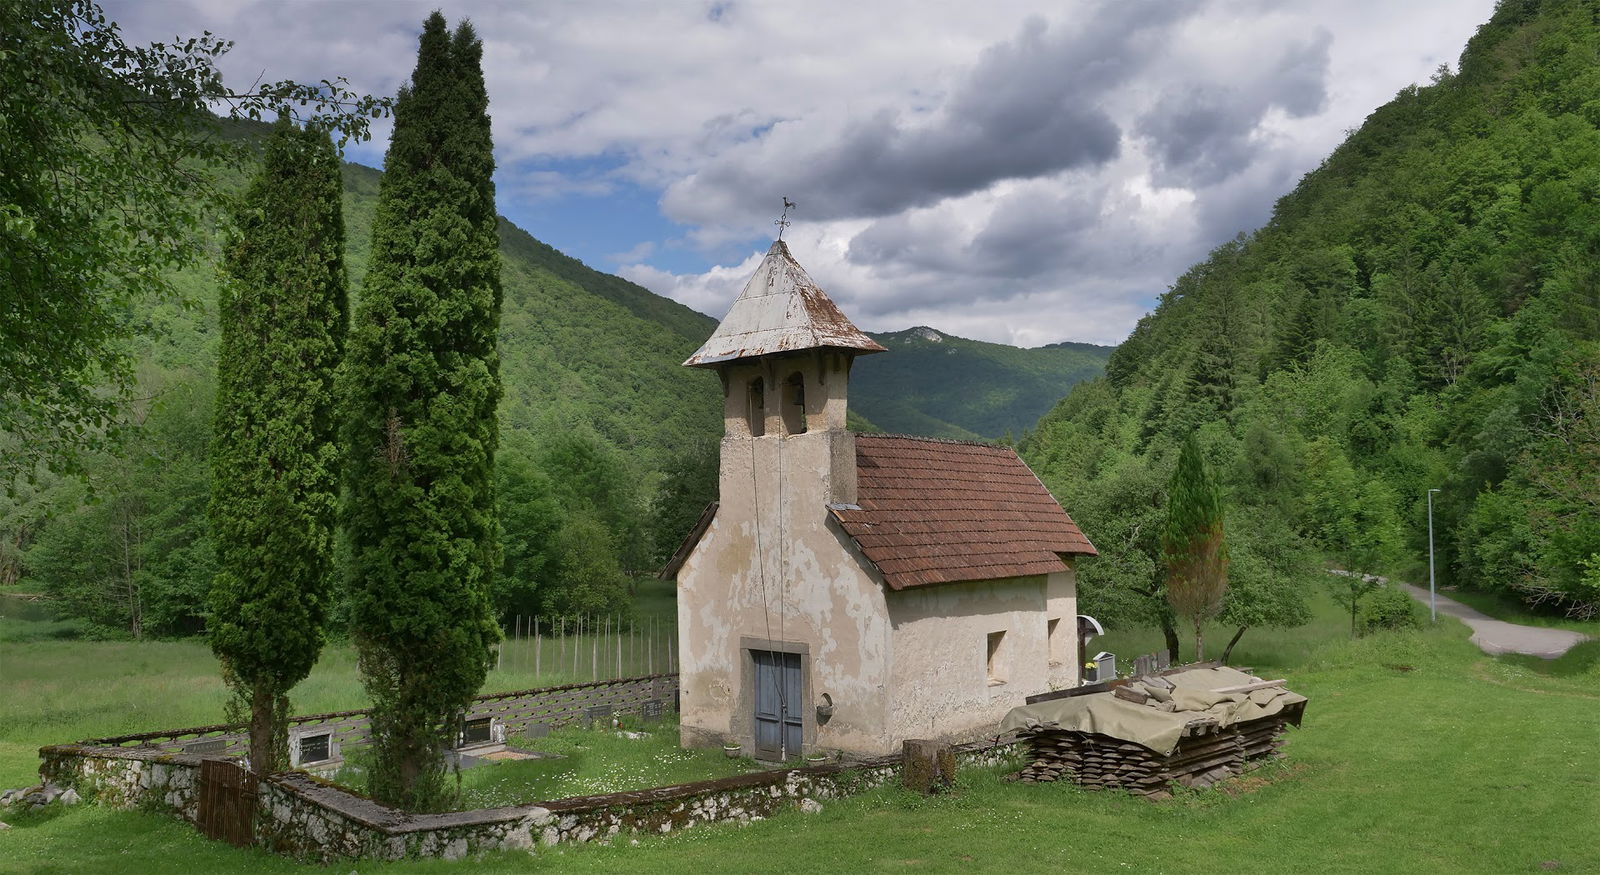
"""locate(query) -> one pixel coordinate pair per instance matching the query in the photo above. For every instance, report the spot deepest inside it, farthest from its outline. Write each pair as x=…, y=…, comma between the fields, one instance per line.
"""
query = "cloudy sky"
x=1022, y=171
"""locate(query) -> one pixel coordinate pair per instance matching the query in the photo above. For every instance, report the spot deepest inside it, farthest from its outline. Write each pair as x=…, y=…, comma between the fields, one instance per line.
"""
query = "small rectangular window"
x=997, y=674
x=1053, y=639
x=315, y=748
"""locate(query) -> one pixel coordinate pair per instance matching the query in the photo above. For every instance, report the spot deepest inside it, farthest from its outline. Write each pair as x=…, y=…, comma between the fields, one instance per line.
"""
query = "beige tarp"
x=1193, y=698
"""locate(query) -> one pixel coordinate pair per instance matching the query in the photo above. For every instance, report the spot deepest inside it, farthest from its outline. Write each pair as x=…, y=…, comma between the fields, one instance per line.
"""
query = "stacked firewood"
x=1206, y=753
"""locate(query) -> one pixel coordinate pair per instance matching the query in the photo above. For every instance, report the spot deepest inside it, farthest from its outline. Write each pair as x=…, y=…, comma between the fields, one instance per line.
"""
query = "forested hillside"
x=597, y=416
x=937, y=384
x=608, y=448
x=1421, y=312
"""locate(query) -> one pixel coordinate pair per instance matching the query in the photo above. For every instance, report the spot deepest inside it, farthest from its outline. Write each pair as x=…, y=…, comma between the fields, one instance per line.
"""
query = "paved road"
x=1496, y=636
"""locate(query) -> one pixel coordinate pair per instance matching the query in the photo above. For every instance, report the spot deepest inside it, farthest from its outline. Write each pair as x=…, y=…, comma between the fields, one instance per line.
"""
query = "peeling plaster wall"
x=772, y=567
x=939, y=681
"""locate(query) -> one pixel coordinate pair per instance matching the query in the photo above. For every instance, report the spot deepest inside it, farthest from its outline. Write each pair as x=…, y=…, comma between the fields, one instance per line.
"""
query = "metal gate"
x=227, y=802
x=778, y=703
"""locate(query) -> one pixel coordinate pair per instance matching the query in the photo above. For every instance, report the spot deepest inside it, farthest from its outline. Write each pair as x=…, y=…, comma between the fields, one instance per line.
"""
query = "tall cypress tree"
x=1192, y=544
x=274, y=446
x=422, y=384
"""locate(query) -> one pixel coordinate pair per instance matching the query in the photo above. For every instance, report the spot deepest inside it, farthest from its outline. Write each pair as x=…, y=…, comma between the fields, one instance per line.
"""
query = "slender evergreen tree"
x=1192, y=544
x=274, y=447
x=422, y=384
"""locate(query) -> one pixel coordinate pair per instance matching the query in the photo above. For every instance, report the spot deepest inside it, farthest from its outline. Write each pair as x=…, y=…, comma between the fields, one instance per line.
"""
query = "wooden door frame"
x=742, y=723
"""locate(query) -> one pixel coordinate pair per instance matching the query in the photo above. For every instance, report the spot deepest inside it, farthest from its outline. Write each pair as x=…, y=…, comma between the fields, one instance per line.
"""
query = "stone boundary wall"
x=311, y=820
x=519, y=710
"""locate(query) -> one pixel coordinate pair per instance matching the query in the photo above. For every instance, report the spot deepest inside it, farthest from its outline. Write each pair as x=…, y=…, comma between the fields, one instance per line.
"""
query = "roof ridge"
x=933, y=440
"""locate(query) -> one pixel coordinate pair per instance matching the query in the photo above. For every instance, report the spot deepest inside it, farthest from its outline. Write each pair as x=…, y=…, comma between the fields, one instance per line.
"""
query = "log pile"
x=1206, y=753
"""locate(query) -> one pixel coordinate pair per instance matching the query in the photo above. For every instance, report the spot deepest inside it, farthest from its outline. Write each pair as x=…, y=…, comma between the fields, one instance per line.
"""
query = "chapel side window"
x=996, y=658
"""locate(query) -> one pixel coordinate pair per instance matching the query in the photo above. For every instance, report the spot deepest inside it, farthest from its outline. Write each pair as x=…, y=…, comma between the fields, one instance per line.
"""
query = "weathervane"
x=783, y=220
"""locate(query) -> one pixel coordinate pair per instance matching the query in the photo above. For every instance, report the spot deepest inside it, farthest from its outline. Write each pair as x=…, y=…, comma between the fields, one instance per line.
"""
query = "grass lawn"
x=589, y=762
x=1419, y=754
x=1262, y=649
x=54, y=690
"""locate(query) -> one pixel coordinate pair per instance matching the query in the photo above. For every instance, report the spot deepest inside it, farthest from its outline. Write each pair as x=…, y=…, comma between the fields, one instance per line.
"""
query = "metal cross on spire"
x=783, y=220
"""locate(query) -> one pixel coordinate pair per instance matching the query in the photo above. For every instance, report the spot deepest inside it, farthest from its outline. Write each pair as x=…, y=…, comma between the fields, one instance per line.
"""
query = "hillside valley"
x=608, y=445
x=1411, y=344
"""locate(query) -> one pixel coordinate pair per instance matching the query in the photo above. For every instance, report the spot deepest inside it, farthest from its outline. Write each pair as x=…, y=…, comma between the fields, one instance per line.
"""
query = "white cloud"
x=1016, y=170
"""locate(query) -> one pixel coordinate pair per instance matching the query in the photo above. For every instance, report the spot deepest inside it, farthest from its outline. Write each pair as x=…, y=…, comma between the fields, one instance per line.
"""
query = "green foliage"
x=1193, y=551
x=1389, y=608
x=274, y=450
x=586, y=577
x=1270, y=574
x=530, y=519
x=1421, y=312
x=112, y=162
x=591, y=478
x=937, y=384
x=688, y=485
x=421, y=384
x=135, y=557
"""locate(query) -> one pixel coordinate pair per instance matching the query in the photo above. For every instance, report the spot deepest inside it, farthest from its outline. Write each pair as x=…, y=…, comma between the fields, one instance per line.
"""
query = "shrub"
x=1389, y=608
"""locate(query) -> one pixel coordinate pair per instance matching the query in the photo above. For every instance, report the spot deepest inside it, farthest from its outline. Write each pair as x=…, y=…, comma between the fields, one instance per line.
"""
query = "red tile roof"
x=935, y=511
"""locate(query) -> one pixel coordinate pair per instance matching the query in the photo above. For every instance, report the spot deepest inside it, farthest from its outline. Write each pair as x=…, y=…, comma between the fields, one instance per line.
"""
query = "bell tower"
x=783, y=353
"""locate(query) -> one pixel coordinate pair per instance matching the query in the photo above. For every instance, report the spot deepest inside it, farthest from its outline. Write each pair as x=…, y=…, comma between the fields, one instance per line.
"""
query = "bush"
x=1389, y=608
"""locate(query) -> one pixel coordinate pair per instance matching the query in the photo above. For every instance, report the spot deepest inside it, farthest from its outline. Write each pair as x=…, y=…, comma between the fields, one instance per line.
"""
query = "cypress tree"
x=422, y=384
x=1192, y=545
x=274, y=446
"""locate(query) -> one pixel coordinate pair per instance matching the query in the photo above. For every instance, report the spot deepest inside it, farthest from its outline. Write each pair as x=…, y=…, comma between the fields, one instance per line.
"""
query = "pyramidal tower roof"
x=780, y=310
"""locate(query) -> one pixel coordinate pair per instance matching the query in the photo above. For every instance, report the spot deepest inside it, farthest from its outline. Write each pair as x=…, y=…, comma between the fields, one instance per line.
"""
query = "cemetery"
x=308, y=813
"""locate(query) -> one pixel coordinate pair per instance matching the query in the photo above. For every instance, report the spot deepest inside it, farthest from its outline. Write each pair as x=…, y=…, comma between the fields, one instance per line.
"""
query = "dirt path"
x=1495, y=637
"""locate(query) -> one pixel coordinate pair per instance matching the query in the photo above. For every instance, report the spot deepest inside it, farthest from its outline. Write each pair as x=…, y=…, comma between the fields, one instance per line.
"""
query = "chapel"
x=849, y=591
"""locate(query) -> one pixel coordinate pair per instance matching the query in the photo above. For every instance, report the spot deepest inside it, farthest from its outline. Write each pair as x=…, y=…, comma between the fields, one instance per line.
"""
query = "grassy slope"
x=958, y=388
x=1462, y=763
x=579, y=345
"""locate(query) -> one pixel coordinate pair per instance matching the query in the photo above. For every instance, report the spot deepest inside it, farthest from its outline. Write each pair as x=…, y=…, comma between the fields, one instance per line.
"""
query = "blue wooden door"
x=778, y=723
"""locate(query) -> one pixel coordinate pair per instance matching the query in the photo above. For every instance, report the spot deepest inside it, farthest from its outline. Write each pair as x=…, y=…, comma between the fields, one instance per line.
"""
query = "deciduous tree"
x=110, y=155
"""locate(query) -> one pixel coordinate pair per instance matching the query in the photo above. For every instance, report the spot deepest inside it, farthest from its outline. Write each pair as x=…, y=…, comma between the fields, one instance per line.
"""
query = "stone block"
x=927, y=766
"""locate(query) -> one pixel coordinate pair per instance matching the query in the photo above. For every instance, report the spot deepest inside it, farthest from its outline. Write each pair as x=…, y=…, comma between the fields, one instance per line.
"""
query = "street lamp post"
x=1433, y=599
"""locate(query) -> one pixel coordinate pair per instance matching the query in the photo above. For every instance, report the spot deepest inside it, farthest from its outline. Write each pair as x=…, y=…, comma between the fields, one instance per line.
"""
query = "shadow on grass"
x=1581, y=659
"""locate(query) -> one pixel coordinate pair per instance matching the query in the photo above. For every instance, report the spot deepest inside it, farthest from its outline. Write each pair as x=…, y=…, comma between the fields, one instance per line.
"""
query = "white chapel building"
x=849, y=591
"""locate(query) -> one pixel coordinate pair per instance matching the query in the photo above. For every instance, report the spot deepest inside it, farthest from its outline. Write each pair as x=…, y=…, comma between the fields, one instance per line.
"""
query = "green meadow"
x=1418, y=754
